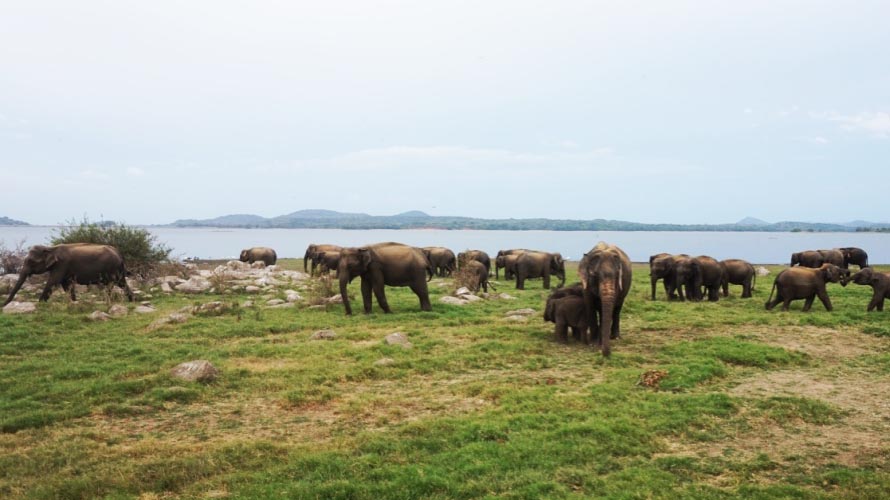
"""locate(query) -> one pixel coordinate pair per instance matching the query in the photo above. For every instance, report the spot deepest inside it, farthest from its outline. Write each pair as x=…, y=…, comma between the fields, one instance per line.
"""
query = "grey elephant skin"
x=501, y=253
x=508, y=264
x=531, y=265
x=605, y=274
x=384, y=264
x=311, y=255
x=879, y=283
x=805, y=283
x=327, y=261
x=443, y=260
x=565, y=308
x=691, y=274
x=661, y=267
x=477, y=255
x=259, y=254
x=853, y=255
x=73, y=263
x=738, y=272
x=479, y=276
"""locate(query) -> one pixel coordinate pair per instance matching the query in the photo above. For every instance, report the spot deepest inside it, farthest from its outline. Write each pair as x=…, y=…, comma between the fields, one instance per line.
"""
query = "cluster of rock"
x=463, y=296
x=234, y=275
x=519, y=315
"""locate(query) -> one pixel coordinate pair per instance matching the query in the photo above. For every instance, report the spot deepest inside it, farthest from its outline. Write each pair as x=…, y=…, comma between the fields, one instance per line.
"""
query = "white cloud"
x=875, y=123
x=135, y=171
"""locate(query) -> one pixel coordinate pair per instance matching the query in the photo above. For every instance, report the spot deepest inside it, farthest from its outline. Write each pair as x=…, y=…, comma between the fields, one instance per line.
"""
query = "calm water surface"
x=764, y=248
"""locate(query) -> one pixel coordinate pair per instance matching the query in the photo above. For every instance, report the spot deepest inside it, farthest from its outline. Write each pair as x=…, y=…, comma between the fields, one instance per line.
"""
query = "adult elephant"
x=690, y=274
x=73, y=264
x=442, y=259
x=311, y=254
x=804, y=283
x=508, y=264
x=605, y=274
x=530, y=265
x=738, y=272
x=475, y=255
x=807, y=258
x=479, y=276
x=262, y=254
x=853, y=255
x=327, y=261
x=833, y=256
x=660, y=268
x=501, y=253
x=384, y=264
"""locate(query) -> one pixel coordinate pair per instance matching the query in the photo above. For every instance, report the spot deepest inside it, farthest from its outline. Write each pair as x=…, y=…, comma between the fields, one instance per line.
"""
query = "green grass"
x=479, y=407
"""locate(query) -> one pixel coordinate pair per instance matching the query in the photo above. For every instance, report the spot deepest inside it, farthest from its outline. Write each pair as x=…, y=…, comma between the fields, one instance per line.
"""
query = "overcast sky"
x=680, y=111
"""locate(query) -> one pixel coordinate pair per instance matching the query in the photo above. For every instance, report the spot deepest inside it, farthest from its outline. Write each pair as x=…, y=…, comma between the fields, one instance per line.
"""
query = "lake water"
x=761, y=248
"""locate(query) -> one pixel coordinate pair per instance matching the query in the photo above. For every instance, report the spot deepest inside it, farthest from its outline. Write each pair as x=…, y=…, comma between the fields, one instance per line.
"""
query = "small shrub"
x=11, y=260
x=465, y=277
x=141, y=252
x=320, y=288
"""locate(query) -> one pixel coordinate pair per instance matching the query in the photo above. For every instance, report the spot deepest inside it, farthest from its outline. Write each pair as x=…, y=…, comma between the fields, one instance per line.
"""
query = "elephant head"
x=688, y=276
x=310, y=254
x=602, y=275
x=795, y=259
x=864, y=276
x=833, y=274
x=40, y=259
x=558, y=268
x=353, y=262
x=245, y=256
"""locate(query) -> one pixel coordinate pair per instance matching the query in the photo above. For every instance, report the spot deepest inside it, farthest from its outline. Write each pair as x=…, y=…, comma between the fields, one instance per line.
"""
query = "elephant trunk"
x=607, y=299
x=18, y=285
x=653, y=280
x=497, y=268
x=344, y=280
x=306, y=261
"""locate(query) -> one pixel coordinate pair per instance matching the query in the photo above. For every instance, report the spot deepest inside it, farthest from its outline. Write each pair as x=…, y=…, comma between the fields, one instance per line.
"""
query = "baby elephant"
x=880, y=284
x=565, y=307
x=805, y=283
x=251, y=255
x=479, y=274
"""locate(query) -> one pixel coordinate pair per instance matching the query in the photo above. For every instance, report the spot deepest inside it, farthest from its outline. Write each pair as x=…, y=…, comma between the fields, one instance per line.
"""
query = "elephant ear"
x=49, y=257
x=364, y=258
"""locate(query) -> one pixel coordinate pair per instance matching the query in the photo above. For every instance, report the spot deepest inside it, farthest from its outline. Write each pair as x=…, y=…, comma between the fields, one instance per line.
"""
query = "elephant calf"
x=805, y=283
x=479, y=274
x=879, y=283
x=738, y=272
x=565, y=308
x=264, y=254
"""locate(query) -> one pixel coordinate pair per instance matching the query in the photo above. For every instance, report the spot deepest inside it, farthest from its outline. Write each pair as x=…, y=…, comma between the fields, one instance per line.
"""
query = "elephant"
x=501, y=253
x=834, y=256
x=508, y=264
x=853, y=255
x=565, y=308
x=480, y=276
x=805, y=283
x=530, y=265
x=738, y=272
x=880, y=285
x=807, y=258
x=478, y=256
x=690, y=274
x=327, y=261
x=72, y=264
x=311, y=254
x=390, y=264
x=264, y=254
x=605, y=274
x=660, y=268
x=443, y=260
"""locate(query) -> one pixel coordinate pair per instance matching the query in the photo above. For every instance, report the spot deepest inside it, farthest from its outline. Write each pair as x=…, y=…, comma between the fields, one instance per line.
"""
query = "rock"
x=470, y=298
x=247, y=303
x=520, y=312
x=274, y=268
x=323, y=335
x=195, y=371
x=506, y=296
x=237, y=265
x=165, y=287
x=398, y=338
x=7, y=281
x=762, y=271
x=195, y=284
x=517, y=318
x=215, y=307
x=275, y=302
x=144, y=309
x=463, y=291
x=252, y=289
x=268, y=281
x=384, y=362
x=258, y=265
x=174, y=318
x=336, y=299
x=172, y=280
x=99, y=316
x=118, y=311
x=204, y=273
x=293, y=296
x=286, y=305
x=16, y=307
x=454, y=301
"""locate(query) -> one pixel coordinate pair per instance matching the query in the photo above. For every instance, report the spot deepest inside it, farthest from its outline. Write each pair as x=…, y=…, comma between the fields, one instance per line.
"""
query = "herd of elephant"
x=593, y=305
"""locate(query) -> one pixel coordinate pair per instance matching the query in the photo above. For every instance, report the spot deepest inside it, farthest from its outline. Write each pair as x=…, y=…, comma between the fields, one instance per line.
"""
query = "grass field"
x=743, y=403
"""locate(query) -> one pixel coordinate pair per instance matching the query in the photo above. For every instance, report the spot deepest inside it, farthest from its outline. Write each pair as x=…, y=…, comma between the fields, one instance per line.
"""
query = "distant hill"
x=415, y=219
x=6, y=221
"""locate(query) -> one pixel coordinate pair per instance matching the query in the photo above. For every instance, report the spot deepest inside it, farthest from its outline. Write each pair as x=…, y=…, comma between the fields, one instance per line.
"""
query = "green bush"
x=141, y=253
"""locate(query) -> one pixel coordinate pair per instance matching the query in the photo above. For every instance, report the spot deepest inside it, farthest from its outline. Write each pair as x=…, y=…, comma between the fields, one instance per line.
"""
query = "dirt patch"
x=823, y=343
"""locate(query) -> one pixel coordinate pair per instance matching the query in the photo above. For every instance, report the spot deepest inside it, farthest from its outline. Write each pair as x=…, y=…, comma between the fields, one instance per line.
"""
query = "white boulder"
x=16, y=307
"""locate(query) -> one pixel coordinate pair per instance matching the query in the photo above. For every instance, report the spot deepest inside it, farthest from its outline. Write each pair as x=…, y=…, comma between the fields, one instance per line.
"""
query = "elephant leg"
x=48, y=289
x=808, y=303
x=616, y=320
x=726, y=288
x=366, y=294
x=881, y=305
x=653, y=281
x=422, y=294
x=380, y=293
x=786, y=303
x=520, y=281
x=714, y=293
x=596, y=327
x=823, y=296
x=561, y=330
x=546, y=281
x=876, y=299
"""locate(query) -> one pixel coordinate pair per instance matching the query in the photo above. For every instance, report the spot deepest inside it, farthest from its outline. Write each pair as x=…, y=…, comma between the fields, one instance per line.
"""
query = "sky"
x=658, y=112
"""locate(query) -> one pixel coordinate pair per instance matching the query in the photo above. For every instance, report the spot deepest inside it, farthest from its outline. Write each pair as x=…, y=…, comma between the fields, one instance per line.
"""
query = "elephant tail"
x=770, y=299
x=754, y=280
